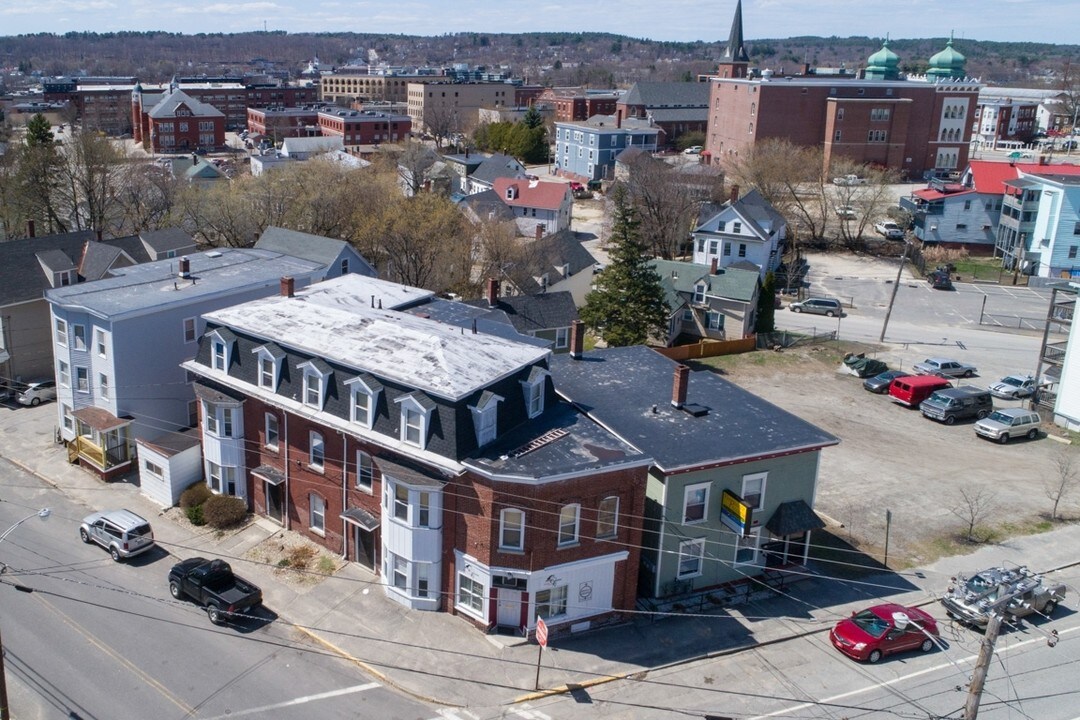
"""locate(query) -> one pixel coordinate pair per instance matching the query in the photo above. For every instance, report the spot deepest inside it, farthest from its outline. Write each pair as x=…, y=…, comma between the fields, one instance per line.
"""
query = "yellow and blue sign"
x=735, y=513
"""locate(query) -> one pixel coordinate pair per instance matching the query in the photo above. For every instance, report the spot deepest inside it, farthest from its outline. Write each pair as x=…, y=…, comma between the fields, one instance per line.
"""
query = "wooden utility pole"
x=978, y=677
x=5, y=714
x=892, y=299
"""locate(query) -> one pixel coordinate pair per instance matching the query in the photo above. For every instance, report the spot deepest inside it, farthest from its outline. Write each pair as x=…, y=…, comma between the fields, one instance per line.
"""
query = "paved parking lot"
x=891, y=457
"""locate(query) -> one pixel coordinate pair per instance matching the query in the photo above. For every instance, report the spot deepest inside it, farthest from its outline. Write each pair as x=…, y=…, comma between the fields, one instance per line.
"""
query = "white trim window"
x=753, y=490
x=363, y=399
x=746, y=548
x=222, y=480
x=696, y=503
x=316, y=451
x=691, y=555
x=100, y=342
x=82, y=379
x=78, y=337
x=317, y=514
x=60, y=328
x=569, y=524
x=365, y=471
x=512, y=529
x=470, y=596
x=486, y=418
x=219, y=355
x=401, y=502
x=534, y=391
x=607, y=517
x=271, y=431
x=103, y=386
x=68, y=418
x=562, y=338
x=63, y=371
x=699, y=293
x=316, y=381
x=552, y=602
x=268, y=359
x=415, y=420
x=210, y=414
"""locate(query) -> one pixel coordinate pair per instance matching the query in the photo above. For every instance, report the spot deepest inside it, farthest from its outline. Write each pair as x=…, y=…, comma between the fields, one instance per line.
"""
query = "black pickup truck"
x=211, y=583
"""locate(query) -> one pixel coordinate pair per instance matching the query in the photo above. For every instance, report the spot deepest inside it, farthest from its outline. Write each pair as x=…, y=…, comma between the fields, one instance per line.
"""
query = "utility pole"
x=986, y=655
x=892, y=299
x=5, y=714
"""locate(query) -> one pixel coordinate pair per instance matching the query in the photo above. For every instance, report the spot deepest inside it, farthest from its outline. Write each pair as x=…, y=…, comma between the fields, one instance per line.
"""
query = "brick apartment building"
x=360, y=84
x=915, y=125
x=354, y=127
x=438, y=458
x=574, y=104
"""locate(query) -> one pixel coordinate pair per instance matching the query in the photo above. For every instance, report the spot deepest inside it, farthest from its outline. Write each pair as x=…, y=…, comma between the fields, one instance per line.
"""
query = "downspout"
x=660, y=539
x=344, y=496
x=285, y=509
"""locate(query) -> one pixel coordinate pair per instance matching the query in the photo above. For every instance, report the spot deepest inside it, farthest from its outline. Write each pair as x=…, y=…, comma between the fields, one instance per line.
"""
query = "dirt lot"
x=893, y=458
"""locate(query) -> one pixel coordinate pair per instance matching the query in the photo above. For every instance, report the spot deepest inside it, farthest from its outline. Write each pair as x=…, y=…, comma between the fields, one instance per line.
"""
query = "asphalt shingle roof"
x=21, y=275
x=682, y=277
x=628, y=390
x=497, y=166
x=529, y=313
x=316, y=248
x=667, y=94
x=167, y=106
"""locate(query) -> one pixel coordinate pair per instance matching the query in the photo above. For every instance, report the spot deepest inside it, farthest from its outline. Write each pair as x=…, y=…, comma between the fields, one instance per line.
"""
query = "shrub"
x=300, y=556
x=195, y=515
x=196, y=494
x=224, y=511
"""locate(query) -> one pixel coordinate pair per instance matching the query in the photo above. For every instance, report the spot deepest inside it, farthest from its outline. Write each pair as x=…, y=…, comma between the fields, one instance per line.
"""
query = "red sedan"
x=883, y=630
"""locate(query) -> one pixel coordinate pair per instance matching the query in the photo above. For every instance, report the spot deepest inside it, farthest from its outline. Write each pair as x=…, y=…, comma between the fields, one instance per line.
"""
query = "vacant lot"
x=892, y=458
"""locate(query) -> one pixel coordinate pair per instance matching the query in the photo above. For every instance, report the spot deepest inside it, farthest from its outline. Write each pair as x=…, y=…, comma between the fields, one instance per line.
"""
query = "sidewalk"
x=444, y=660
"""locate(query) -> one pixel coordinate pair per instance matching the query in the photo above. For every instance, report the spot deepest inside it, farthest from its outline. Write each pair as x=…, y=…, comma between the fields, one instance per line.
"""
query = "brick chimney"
x=288, y=287
x=714, y=265
x=30, y=228
x=734, y=194
x=492, y=292
x=185, y=268
x=577, y=339
x=678, y=390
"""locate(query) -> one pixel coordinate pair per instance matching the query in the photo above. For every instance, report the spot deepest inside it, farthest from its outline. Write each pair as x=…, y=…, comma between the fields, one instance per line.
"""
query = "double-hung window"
x=271, y=431
x=534, y=388
x=189, y=330
x=317, y=451
x=266, y=373
x=63, y=370
x=317, y=514
x=470, y=593
x=218, y=355
x=316, y=382
x=512, y=529
x=82, y=379
x=210, y=411
x=78, y=337
x=691, y=553
x=753, y=490
x=696, y=503
x=569, y=517
x=401, y=502
x=365, y=471
x=607, y=517
x=61, y=332
x=99, y=342
x=103, y=385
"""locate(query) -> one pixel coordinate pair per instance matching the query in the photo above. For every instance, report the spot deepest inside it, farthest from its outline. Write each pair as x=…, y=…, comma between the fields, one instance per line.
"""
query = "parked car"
x=940, y=280
x=212, y=584
x=819, y=306
x=1015, y=591
x=880, y=383
x=959, y=403
x=944, y=366
x=849, y=180
x=123, y=533
x=1007, y=423
x=883, y=630
x=846, y=212
x=889, y=229
x=37, y=392
x=1013, y=387
x=913, y=389
x=692, y=150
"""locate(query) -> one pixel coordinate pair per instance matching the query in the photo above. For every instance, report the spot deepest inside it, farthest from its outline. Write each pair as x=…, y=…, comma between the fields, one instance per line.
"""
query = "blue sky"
x=1030, y=20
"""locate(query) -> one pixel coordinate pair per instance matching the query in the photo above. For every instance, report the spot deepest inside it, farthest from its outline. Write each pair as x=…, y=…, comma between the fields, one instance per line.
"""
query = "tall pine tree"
x=628, y=306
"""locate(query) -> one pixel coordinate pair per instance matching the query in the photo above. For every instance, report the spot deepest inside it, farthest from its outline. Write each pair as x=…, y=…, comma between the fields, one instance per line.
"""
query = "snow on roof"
x=334, y=320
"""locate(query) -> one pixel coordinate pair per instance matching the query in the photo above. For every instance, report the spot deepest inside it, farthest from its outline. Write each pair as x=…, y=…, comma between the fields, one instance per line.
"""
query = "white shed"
x=168, y=464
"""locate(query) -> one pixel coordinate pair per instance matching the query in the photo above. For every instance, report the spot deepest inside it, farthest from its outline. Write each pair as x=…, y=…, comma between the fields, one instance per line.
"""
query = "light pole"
x=5, y=713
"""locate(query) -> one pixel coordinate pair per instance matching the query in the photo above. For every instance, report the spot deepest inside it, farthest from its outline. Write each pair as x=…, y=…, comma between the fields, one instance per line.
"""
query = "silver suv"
x=1009, y=423
x=123, y=533
x=819, y=306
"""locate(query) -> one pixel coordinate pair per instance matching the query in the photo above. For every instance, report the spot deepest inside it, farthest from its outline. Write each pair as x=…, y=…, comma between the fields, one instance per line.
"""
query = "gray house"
x=336, y=256
x=708, y=301
x=731, y=490
x=119, y=342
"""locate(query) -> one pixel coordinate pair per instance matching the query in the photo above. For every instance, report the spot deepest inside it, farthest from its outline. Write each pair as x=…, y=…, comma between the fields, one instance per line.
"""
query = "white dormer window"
x=486, y=417
x=363, y=398
x=221, y=344
x=316, y=379
x=534, y=391
x=416, y=409
x=699, y=293
x=268, y=358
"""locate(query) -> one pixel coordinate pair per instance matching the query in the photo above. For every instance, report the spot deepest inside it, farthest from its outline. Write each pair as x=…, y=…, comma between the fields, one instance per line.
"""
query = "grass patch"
x=826, y=354
x=956, y=543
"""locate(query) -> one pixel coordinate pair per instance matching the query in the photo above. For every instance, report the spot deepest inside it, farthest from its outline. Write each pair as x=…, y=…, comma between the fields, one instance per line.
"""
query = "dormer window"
x=534, y=391
x=416, y=409
x=486, y=417
x=511, y=192
x=316, y=381
x=363, y=399
x=221, y=345
x=699, y=293
x=269, y=358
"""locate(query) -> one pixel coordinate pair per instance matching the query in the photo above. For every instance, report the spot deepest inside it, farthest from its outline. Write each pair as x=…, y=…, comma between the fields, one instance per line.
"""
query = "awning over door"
x=361, y=517
x=99, y=420
x=792, y=518
x=269, y=474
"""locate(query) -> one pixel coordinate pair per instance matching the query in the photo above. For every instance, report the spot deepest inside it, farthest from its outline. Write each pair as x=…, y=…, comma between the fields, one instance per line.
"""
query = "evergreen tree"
x=766, y=305
x=532, y=118
x=38, y=131
x=628, y=306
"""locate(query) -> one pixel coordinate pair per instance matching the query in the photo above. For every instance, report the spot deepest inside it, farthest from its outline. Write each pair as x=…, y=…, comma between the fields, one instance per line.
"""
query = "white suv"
x=1001, y=425
x=123, y=533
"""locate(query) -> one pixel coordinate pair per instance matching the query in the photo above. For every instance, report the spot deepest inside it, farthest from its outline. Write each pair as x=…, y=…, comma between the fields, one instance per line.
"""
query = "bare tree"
x=790, y=177
x=145, y=197
x=411, y=164
x=88, y=178
x=866, y=201
x=442, y=121
x=974, y=505
x=1061, y=481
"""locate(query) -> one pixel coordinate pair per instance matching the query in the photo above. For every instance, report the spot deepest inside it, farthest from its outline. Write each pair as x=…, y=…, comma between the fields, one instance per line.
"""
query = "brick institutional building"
x=919, y=126
x=176, y=122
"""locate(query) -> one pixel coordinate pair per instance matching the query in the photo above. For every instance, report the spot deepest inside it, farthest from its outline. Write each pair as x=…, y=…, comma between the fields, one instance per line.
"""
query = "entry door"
x=274, y=503
x=509, y=608
x=364, y=547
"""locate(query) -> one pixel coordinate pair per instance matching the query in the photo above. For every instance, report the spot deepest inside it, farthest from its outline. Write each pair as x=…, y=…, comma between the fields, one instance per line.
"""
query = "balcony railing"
x=101, y=457
x=1055, y=352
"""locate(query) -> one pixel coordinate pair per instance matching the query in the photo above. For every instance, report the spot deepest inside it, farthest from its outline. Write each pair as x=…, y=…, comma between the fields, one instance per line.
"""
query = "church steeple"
x=734, y=61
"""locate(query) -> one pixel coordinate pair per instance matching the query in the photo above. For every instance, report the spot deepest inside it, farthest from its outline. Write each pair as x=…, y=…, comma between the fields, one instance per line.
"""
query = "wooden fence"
x=710, y=348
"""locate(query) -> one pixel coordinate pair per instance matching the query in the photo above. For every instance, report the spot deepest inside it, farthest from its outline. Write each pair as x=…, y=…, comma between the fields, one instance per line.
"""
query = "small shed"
x=168, y=464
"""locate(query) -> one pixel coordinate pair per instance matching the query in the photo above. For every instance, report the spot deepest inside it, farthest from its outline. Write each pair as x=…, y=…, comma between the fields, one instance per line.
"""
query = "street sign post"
x=541, y=641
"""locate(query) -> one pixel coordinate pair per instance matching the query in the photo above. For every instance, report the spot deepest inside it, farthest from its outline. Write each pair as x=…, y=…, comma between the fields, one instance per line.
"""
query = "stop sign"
x=541, y=632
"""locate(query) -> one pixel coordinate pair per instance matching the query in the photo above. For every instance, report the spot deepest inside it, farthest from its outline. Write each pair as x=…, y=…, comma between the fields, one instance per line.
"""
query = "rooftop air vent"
x=695, y=409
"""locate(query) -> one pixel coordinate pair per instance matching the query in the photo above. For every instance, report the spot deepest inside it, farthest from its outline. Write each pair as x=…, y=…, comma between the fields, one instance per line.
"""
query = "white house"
x=536, y=203
x=746, y=229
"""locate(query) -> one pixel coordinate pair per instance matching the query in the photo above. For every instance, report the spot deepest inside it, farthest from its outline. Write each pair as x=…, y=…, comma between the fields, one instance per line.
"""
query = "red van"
x=911, y=390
